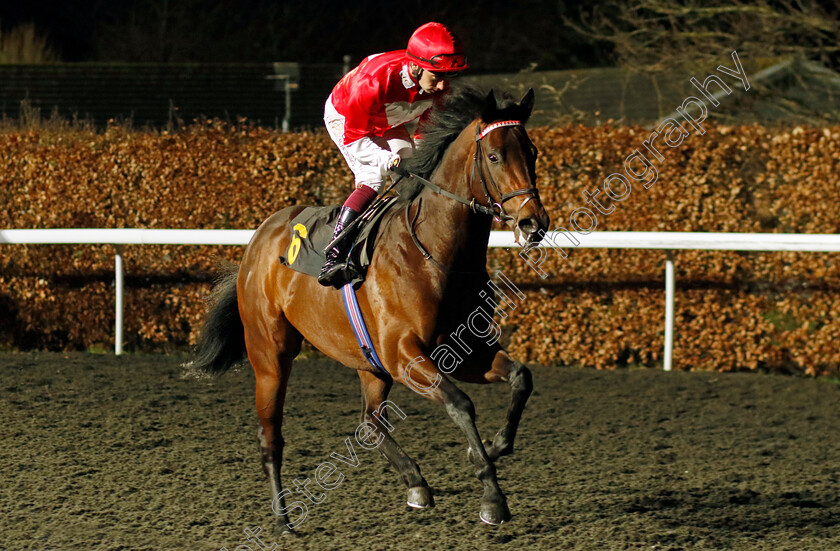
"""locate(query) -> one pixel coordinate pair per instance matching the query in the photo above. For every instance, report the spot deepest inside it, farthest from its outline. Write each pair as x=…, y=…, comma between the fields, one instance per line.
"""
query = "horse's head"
x=504, y=173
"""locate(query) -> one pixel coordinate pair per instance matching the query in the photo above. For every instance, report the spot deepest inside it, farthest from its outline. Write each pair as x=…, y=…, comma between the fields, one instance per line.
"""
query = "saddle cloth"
x=312, y=231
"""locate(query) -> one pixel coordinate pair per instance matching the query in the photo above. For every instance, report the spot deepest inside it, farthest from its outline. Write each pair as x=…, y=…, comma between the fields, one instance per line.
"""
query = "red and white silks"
x=372, y=113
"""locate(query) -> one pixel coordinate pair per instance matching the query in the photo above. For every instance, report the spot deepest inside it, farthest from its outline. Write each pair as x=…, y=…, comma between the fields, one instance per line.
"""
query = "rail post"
x=669, y=310
x=118, y=284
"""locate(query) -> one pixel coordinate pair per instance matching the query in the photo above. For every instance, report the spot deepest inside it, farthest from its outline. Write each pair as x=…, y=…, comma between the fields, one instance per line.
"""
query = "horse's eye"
x=493, y=158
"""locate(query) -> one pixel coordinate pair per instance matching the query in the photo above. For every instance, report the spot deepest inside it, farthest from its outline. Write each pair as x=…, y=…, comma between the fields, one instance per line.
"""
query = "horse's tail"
x=221, y=341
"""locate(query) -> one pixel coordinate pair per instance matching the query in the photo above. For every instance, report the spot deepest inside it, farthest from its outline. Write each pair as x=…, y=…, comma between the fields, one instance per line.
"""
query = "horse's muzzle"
x=530, y=227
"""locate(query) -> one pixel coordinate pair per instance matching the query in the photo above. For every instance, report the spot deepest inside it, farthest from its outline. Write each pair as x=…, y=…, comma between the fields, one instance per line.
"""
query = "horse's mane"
x=446, y=120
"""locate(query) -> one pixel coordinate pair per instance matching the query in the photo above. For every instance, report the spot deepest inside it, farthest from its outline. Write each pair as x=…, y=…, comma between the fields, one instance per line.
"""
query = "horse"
x=474, y=163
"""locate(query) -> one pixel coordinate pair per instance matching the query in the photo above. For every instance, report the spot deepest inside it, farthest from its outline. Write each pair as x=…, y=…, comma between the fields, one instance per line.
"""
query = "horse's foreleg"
x=519, y=378
x=422, y=376
x=374, y=394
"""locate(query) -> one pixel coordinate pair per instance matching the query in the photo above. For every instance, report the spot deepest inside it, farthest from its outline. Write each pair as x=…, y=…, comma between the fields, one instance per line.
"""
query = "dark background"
x=155, y=61
x=499, y=35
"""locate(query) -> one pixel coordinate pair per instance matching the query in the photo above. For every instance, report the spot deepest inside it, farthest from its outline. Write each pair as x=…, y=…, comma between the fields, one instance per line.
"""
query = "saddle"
x=312, y=231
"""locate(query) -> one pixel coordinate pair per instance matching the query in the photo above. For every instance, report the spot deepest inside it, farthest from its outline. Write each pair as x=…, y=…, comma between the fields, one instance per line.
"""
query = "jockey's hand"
x=394, y=166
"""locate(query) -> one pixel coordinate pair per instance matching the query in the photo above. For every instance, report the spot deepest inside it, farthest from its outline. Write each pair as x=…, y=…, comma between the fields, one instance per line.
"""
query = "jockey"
x=369, y=113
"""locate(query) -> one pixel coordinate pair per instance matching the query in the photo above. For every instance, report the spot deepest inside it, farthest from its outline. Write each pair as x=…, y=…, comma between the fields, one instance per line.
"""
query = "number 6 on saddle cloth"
x=313, y=231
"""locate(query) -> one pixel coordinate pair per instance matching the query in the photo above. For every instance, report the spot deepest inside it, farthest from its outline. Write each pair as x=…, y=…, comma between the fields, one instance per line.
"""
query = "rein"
x=475, y=207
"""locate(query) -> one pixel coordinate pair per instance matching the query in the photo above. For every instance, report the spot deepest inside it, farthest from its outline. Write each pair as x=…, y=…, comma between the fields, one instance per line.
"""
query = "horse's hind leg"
x=504, y=369
x=271, y=357
x=375, y=408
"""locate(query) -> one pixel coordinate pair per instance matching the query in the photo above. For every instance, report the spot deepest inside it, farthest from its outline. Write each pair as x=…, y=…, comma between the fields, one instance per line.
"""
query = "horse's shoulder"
x=396, y=213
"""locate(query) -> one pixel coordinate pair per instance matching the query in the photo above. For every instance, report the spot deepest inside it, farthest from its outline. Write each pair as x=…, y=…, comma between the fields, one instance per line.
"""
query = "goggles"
x=444, y=63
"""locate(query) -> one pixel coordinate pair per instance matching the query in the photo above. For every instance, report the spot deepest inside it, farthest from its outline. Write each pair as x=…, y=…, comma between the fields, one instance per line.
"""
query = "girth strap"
x=357, y=322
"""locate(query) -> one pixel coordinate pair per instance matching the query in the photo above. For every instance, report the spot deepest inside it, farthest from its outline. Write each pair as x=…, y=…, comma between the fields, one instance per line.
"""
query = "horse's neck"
x=455, y=234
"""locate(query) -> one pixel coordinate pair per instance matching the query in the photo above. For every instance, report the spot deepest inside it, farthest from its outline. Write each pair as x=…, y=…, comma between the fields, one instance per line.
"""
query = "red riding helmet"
x=436, y=48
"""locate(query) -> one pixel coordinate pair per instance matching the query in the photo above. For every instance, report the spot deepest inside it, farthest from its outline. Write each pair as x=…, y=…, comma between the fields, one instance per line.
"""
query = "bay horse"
x=476, y=149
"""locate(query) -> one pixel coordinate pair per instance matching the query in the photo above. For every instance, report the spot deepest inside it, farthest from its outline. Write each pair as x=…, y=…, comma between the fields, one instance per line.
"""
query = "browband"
x=497, y=124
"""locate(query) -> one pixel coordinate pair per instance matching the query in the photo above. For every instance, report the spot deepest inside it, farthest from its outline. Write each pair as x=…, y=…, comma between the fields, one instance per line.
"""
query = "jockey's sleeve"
x=366, y=102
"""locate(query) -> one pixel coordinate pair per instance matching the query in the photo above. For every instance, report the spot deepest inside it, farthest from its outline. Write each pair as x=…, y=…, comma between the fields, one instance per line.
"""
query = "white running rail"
x=666, y=241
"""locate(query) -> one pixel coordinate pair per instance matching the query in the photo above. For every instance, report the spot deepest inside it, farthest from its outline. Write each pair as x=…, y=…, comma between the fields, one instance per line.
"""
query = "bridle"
x=494, y=209
x=498, y=209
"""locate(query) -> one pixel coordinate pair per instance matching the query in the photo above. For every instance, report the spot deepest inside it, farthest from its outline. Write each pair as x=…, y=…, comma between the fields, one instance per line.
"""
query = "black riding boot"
x=337, y=255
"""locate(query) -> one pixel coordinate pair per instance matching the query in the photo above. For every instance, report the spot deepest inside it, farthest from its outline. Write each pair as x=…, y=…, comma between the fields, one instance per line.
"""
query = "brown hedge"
x=598, y=308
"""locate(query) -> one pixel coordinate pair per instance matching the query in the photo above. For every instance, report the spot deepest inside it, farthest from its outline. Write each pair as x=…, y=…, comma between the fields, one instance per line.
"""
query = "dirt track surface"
x=113, y=453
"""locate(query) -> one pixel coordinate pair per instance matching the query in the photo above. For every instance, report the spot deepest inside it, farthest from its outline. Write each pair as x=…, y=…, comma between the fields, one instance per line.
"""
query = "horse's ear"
x=527, y=104
x=490, y=106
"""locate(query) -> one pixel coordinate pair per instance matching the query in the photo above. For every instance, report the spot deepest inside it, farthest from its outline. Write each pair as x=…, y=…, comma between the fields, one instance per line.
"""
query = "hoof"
x=420, y=497
x=471, y=455
x=494, y=514
x=281, y=530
